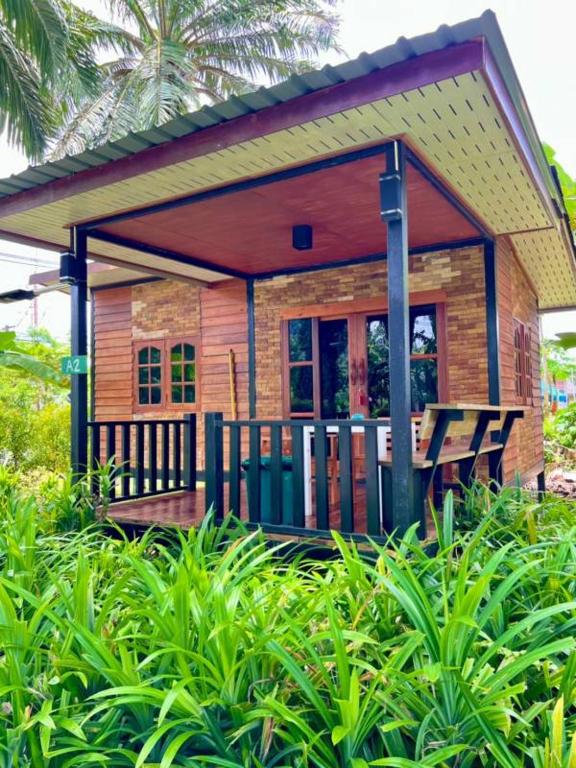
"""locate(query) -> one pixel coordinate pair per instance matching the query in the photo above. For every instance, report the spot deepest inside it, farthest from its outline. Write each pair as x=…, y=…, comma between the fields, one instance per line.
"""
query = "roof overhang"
x=452, y=96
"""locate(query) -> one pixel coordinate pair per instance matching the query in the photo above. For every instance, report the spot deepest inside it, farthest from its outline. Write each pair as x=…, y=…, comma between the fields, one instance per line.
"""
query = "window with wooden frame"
x=522, y=362
x=300, y=354
x=337, y=365
x=166, y=374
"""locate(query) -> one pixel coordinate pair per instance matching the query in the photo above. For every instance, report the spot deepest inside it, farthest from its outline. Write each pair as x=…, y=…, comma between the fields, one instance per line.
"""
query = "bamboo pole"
x=232, y=374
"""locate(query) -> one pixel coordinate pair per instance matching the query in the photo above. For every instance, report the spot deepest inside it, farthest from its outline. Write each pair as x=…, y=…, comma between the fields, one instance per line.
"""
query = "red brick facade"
x=459, y=274
x=517, y=301
x=218, y=317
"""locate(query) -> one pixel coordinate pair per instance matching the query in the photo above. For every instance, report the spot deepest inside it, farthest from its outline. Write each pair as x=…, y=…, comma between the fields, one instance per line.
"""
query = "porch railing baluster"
x=95, y=448
x=346, y=479
x=321, y=459
x=177, y=458
x=190, y=451
x=254, y=496
x=235, y=471
x=126, y=459
x=165, y=455
x=276, y=475
x=152, y=458
x=140, y=467
x=111, y=457
x=298, y=487
x=373, y=522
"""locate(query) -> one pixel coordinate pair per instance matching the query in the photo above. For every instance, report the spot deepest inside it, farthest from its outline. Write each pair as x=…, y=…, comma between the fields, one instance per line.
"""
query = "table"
x=383, y=438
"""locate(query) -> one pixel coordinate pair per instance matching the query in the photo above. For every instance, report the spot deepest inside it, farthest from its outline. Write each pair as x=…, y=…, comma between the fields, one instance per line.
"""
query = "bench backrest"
x=456, y=429
x=461, y=422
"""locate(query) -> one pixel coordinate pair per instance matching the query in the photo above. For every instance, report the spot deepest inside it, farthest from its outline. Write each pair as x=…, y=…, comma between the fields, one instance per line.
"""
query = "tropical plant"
x=164, y=57
x=34, y=411
x=567, y=184
x=210, y=648
x=557, y=365
x=19, y=356
x=46, y=66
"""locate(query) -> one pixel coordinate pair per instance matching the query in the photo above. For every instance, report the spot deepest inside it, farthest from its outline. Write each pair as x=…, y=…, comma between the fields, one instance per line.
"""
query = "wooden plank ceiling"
x=251, y=230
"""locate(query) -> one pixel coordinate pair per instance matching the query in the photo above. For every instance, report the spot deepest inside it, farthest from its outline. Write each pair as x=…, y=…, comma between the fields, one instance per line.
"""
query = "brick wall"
x=517, y=300
x=460, y=274
x=153, y=310
x=218, y=316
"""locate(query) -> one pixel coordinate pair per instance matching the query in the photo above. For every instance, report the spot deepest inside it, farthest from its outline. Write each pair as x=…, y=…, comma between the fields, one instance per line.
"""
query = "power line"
x=29, y=261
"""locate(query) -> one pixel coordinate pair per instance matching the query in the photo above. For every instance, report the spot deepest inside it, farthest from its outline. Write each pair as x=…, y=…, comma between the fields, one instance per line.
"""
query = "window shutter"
x=518, y=360
x=528, y=365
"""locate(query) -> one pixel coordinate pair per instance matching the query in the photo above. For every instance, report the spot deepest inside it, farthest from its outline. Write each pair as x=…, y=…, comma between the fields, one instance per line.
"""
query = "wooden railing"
x=144, y=458
x=234, y=451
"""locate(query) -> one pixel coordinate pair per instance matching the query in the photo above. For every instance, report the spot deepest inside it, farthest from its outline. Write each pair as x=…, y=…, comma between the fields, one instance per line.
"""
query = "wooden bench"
x=455, y=433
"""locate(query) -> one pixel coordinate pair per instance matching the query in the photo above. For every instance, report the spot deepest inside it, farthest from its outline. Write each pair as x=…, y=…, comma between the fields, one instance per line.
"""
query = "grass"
x=210, y=649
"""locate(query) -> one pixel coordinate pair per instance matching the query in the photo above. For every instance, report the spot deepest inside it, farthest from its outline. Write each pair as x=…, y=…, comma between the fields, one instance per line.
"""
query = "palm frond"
x=186, y=53
x=25, y=112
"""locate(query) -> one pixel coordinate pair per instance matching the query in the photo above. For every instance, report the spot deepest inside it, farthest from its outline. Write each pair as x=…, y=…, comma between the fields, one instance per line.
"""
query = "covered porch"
x=356, y=375
x=369, y=241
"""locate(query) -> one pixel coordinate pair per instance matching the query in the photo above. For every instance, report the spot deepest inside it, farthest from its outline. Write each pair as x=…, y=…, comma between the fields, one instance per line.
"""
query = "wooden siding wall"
x=517, y=300
x=113, y=353
x=166, y=309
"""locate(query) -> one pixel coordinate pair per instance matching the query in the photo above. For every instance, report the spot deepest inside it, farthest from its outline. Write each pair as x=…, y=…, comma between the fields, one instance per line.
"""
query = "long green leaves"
x=211, y=648
x=162, y=58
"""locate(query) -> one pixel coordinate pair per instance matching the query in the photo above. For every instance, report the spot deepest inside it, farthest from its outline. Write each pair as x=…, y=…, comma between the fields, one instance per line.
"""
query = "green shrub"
x=208, y=648
x=561, y=427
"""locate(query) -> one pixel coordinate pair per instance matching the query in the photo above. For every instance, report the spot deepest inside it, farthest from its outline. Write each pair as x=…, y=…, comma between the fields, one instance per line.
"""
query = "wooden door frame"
x=355, y=312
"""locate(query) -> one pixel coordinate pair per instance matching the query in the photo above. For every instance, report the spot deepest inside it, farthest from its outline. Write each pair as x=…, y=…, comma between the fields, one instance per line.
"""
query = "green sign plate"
x=74, y=364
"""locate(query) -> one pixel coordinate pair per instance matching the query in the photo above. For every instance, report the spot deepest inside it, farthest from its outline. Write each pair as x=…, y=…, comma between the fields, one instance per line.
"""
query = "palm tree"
x=30, y=42
x=171, y=56
x=46, y=67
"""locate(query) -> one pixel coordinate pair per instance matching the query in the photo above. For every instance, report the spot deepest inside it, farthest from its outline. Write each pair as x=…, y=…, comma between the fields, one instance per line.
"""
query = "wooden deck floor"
x=185, y=510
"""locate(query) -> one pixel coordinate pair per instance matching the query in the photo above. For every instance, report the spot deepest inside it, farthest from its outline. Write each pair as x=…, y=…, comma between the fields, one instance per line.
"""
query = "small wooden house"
x=301, y=273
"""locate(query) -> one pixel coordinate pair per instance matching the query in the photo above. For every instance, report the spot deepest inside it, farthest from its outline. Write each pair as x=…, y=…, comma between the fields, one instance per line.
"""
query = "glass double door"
x=353, y=364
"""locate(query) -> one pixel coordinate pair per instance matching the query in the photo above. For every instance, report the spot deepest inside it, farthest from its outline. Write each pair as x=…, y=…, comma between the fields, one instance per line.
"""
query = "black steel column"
x=495, y=472
x=393, y=206
x=79, y=346
x=492, y=332
x=251, y=349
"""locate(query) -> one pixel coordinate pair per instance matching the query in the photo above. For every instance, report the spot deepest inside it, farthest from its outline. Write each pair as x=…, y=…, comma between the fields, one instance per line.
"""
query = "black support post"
x=492, y=322
x=79, y=346
x=393, y=208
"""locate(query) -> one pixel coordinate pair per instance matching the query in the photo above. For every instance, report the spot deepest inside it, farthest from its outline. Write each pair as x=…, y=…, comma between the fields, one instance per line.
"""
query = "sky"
x=540, y=39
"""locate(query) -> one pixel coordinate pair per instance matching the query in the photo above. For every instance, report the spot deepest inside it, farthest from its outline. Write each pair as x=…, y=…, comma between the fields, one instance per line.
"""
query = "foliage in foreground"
x=34, y=412
x=206, y=649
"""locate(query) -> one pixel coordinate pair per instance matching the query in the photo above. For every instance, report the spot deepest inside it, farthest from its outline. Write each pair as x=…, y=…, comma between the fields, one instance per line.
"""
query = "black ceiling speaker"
x=302, y=237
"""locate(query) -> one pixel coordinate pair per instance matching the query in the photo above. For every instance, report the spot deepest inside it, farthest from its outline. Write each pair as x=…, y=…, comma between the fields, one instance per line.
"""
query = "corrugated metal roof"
x=485, y=26
x=297, y=85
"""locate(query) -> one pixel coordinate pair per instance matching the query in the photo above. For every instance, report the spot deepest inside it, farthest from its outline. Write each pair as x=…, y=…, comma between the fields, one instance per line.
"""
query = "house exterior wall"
x=517, y=300
x=218, y=316
x=459, y=273
x=159, y=310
